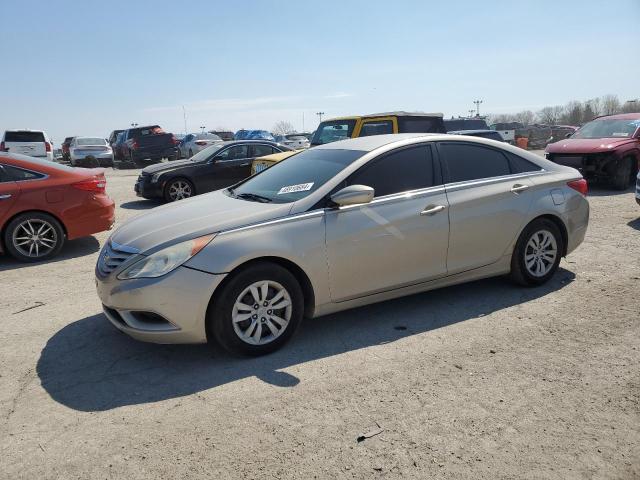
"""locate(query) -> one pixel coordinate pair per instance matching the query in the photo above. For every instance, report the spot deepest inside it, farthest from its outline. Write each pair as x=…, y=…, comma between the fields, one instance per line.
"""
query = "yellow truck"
x=377, y=124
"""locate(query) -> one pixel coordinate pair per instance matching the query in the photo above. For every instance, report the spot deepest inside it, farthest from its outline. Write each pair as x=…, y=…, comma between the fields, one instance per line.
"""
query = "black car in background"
x=457, y=124
x=144, y=145
x=215, y=167
x=490, y=134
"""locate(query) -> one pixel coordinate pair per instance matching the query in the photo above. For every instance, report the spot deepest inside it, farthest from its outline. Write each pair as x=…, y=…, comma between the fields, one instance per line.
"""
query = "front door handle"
x=5, y=197
x=518, y=187
x=432, y=209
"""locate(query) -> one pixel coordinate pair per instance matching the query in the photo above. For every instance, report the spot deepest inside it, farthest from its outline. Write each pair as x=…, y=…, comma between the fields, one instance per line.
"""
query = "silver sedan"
x=335, y=227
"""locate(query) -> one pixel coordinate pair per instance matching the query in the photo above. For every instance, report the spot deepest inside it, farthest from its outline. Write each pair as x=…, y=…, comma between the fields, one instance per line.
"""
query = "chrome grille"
x=112, y=256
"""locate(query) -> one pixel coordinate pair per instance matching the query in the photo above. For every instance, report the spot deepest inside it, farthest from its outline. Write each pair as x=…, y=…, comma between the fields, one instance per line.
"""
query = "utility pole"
x=477, y=103
x=184, y=115
x=320, y=115
x=303, y=130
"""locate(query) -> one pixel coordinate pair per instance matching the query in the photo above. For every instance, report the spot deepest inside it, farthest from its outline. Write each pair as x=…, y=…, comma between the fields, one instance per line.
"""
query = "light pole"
x=477, y=103
x=134, y=125
x=320, y=115
x=471, y=113
x=202, y=127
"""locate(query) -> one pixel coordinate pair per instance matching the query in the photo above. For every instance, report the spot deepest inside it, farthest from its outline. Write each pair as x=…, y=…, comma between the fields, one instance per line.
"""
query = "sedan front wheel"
x=257, y=310
x=178, y=189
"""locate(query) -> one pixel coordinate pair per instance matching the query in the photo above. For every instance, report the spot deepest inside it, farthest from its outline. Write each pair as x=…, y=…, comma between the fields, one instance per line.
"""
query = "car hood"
x=194, y=217
x=165, y=167
x=586, y=145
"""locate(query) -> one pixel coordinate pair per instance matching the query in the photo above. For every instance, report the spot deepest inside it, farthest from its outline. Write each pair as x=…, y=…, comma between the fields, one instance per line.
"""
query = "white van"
x=34, y=143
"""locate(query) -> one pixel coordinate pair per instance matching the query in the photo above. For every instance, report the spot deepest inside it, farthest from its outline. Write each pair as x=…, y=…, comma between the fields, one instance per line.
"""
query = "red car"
x=43, y=203
x=607, y=148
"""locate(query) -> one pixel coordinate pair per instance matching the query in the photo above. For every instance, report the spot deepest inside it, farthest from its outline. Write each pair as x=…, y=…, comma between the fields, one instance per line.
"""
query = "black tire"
x=190, y=153
x=167, y=189
x=622, y=175
x=220, y=329
x=178, y=154
x=13, y=229
x=520, y=274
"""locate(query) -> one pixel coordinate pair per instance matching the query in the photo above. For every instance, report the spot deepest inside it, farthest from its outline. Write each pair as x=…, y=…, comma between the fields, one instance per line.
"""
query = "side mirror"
x=353, y=195
x=568, y=135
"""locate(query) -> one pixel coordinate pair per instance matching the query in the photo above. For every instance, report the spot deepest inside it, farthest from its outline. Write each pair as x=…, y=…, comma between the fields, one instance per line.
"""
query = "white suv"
x=34, y=143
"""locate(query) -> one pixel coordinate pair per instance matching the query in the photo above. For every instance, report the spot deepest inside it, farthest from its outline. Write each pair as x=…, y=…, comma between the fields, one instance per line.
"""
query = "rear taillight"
x=201, y=142
x=47, y=146
x=2, y=149
x=579, y=186
x=97, y=185
x=176, y=141
x=134, y=145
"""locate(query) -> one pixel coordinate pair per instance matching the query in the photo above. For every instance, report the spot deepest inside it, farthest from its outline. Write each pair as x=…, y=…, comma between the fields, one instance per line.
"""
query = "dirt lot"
x=484, y=380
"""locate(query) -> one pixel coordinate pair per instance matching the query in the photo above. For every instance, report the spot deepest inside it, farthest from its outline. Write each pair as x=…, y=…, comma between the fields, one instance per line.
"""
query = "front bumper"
x=146, y=189
x=169, y=309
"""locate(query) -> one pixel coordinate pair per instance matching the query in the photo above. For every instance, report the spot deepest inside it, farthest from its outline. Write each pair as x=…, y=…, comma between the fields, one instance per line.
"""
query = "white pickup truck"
x=507, y=130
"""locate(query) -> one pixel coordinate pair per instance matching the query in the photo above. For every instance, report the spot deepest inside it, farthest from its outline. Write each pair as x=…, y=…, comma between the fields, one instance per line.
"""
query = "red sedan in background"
x=42, y=204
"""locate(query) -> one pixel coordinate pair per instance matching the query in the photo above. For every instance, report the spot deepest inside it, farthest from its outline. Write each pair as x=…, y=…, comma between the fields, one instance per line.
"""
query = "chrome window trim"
x=393, y=197
x=299, y=216
x=484, y=181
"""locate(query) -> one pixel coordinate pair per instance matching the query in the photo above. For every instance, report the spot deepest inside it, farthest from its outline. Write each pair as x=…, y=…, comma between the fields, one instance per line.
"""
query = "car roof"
x=621, y=116
x=368, y=144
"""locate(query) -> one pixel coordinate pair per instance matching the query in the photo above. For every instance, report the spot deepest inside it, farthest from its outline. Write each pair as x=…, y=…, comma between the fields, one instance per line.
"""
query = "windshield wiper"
x=252, y=196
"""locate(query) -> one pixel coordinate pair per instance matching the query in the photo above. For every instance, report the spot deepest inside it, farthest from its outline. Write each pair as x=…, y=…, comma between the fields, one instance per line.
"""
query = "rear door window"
x=260, y=150
x=380, y=127
x=465, y=162
x=399, y=171
x=18, y=174
x=23, y=137
x=234, y=153
x=520, y=165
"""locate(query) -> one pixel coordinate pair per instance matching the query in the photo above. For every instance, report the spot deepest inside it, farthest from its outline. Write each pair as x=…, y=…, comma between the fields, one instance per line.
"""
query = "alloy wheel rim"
x=179, y=190
x=262, y=312
x=540, y=253
x=34, y=238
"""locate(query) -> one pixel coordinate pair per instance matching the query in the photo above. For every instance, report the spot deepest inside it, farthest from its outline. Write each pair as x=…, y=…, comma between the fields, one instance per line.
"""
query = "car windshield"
x=295, y=177
x=332, y=131
x=207, y=153
x=607, y=129
x=91, y=141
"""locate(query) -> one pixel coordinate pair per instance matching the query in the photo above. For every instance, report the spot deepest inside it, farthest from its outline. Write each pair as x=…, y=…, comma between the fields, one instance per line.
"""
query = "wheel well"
x=561, y=226
x=295, y=270
x=9, y=220
x=179, y=177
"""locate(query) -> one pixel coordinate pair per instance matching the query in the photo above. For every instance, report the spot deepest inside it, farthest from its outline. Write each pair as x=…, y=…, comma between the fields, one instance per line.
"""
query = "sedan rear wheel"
x=32, y=237
x=257, y=310
x=537, y=254
x=178, y=189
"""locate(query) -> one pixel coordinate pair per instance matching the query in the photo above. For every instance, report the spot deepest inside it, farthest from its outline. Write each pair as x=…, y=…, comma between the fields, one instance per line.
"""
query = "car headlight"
x=166, y=260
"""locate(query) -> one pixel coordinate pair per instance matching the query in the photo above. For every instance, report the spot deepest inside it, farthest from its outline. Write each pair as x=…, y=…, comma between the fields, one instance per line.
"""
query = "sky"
x=89, y=67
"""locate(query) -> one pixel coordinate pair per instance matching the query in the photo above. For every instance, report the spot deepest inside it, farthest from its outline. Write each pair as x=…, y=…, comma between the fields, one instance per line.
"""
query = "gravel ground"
x=483, y=380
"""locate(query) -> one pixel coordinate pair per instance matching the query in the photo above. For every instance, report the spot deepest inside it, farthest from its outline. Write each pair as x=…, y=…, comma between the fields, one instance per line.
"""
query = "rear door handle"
x=432, y=209
x=518, y=187
x=5, y=197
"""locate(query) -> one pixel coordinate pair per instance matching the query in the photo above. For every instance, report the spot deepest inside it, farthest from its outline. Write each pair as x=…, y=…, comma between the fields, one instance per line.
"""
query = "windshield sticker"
x=301, y=187
x=620, y=134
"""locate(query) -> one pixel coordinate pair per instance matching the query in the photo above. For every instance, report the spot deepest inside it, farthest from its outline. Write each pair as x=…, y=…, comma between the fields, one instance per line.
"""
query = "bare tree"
x=282, y=128
x=610, y=105
x=526, y=117
x=550, y=115
x=596, y=106
x=631, y=106
x=572, y=113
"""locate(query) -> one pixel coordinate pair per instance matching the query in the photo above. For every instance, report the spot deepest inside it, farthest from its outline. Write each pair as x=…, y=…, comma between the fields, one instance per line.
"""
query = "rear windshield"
x=145, y=131
x=333, y=131
x=20, y=136
x=91, y=141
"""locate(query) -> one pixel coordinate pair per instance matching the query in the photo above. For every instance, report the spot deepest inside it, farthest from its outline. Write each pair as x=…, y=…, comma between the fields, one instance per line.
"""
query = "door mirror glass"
x=353, y=195
x=568, y=135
